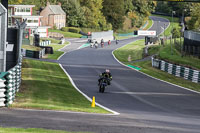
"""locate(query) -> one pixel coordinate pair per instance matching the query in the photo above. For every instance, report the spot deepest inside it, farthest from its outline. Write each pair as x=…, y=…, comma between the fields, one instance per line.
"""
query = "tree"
x=114, y=12
x=75, y=16
x=94, y=16
x=194, y=22
x=140, y=11
x=14, y=1
x=128, y=6
x=176, y=33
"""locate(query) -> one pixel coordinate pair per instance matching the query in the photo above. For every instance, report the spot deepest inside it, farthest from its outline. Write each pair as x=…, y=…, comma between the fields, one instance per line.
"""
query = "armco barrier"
x=10, y=82
x=176, y=70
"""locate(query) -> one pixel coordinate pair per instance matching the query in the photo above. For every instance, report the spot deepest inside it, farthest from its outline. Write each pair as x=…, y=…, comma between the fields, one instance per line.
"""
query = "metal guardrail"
x=10, y=82
x=192, y=35
x=179, y=71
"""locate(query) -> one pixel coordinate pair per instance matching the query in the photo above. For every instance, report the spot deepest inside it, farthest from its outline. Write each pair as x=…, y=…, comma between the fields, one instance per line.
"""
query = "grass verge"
x=45, y=86
x=148, y=69
x=31, y=47
x=50, y=39
x=122, y=54
x=133, y=51
x=176, y=58
x=31, y=130
x=150, y=23
x=67, y=34
x=56, y=54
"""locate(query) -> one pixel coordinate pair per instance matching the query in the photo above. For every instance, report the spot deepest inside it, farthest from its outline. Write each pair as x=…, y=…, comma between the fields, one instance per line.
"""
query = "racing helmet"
x=107, y=70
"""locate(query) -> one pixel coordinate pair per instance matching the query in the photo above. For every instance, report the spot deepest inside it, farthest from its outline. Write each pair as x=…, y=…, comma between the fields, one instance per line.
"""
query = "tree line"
x=191, y=12
x=113, y=14
x=100, y=14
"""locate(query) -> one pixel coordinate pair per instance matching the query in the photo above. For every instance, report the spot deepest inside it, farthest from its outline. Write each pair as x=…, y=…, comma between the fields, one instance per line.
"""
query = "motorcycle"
x=117, y=41
x=102, y=85
x=96, y=45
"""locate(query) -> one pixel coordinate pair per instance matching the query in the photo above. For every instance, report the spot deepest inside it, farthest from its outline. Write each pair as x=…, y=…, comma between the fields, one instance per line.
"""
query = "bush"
x=71, y=29
x=65, y=29
x=54, y=27
x=86, y=30
x=74, y=30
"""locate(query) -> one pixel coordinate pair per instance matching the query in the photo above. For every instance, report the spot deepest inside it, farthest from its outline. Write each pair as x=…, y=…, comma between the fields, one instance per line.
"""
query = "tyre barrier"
x=33, y=54
x=176, y=70
x=10, y=82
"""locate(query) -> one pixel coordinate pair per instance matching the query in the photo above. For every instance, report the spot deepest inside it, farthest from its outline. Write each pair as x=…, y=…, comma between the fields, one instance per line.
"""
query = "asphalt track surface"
x=146, y=105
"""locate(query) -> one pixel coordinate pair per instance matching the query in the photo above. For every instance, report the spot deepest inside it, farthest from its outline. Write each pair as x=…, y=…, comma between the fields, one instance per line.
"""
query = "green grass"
x=123, y=37
x=31, y=47
x=56, y=53
x=67, y=34
x=46, y=86
x=31, y=130
x=176, y=58
x=134, y=50
x=164, y=53
x=50, y=39
x=148, y=69
x=150, y=23
x=174, y=24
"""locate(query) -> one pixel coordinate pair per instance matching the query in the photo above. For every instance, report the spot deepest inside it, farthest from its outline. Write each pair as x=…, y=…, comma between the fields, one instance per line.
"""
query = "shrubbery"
x=74, y=30
x=71, y=29
x=65, y=29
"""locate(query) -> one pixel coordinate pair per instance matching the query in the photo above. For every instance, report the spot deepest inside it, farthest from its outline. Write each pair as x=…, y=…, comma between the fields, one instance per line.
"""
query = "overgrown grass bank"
x=67, y=34
x=164, y=53
x=45, y=86
x=176, y=58
x=31, y=130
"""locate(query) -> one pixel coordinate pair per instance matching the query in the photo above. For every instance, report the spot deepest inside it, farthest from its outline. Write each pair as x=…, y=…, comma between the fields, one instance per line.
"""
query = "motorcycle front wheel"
x=101, y=88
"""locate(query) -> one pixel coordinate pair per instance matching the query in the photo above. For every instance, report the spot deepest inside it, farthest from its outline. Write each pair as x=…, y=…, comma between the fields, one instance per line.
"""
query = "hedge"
x=71, y=29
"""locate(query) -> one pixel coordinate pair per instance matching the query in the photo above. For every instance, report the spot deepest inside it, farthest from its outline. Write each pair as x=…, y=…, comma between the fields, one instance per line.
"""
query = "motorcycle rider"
x=117, y=41
x=107, y=75
x=102, y=43
x=96, y=44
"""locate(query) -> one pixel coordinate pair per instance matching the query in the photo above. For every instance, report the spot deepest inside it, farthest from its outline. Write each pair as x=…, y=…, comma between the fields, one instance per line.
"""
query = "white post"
x=3, y=37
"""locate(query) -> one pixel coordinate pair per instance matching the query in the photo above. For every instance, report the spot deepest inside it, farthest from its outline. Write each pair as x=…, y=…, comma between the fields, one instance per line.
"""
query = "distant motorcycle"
x=96, y=44
x=102, y=85
x=117, y=41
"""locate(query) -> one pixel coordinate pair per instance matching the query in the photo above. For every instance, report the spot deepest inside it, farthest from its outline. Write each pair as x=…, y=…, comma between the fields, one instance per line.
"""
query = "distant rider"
x=117, y=41
x=102, y=42
x=107, y=75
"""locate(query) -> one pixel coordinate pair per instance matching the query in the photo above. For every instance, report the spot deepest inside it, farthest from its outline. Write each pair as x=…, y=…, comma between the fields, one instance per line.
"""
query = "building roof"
x=56, y=9
x=21, y=5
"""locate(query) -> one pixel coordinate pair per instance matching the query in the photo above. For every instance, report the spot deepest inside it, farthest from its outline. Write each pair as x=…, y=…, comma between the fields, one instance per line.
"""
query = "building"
x=25, y=12
x=53, y=15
